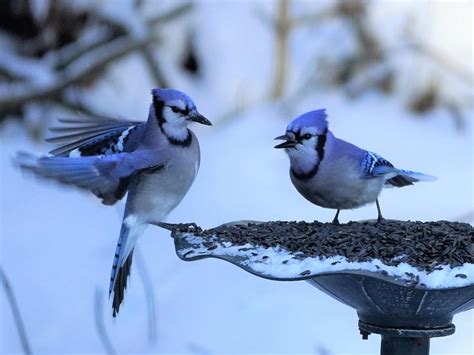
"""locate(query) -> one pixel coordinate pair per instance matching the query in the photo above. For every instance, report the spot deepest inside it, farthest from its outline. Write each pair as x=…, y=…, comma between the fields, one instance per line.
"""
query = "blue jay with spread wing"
x=333, y=173
x=154, y=161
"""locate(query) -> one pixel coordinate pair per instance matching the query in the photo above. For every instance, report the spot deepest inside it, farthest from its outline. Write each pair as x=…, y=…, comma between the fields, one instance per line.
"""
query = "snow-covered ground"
x=57, y=244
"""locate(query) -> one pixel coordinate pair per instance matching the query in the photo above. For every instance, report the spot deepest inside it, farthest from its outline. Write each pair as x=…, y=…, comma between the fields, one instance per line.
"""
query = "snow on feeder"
x=405, y=279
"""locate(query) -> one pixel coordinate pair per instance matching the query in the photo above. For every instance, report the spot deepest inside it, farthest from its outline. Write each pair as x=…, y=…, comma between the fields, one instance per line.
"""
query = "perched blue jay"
x=154, y=161
x=333, y=173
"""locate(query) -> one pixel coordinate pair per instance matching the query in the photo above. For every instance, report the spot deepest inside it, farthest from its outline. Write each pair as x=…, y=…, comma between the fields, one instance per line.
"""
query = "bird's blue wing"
x=373, y=165
x=95, y=135
x=106, y=176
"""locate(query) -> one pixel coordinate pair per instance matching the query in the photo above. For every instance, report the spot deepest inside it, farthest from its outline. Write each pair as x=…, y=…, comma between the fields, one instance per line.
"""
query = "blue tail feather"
x=416, y=176
x=124, y=231
x=123, y=261
x=407, y=177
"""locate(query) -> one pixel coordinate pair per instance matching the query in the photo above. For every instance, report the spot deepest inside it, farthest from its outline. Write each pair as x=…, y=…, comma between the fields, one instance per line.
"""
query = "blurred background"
x=395, y=77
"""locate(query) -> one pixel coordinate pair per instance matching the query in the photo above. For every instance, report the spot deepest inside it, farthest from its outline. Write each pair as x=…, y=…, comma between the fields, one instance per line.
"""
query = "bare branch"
x=149, y=293
x=99, y=323
x=15, y=95
x=311, y=19
x=76, y=106
x=282, y=31
x=170, y=15
x=89, y=41
x=154, y=68
x=16, y=312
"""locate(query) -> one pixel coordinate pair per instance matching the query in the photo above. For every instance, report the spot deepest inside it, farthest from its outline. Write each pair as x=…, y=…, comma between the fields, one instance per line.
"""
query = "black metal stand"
x=393, y=345
x=401, y=341
x=406, y=317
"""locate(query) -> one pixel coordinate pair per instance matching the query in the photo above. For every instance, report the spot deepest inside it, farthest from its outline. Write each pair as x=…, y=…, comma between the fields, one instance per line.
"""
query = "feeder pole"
x=404, y=341
x=399, y=345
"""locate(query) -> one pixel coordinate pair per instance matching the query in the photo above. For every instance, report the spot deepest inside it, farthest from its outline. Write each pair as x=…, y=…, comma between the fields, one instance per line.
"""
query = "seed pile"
x=426, y=245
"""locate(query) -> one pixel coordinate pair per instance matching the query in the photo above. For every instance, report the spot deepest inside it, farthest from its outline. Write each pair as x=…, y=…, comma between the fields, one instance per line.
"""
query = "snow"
x=57, y=244
x=278, y=263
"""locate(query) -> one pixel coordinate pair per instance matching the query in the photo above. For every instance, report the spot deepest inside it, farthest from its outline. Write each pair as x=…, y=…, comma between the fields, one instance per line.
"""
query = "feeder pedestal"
x=406, y=317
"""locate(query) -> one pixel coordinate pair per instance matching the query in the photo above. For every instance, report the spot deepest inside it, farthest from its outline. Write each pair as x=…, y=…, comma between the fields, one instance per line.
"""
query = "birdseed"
x=425, y=245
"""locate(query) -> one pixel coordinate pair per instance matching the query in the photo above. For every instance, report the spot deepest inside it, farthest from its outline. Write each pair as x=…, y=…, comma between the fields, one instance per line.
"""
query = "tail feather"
x=124, y=231
x=398, y=181
x=120, y=286
x=407, y=177
x=122, y=263
x=416, y=176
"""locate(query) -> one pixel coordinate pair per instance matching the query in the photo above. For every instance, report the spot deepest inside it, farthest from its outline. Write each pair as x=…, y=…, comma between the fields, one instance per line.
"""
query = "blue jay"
x=333, y=173
x=154, y=161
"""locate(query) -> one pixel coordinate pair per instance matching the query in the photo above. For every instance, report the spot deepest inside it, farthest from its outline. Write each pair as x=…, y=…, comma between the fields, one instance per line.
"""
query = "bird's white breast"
x=157, y=194
x=339, y=185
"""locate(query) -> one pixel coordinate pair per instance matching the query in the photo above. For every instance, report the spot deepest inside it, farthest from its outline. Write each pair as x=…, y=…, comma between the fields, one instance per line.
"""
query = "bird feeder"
x=406, y=280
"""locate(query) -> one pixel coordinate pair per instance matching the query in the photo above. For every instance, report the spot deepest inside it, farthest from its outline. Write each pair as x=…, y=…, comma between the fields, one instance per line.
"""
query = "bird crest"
x=316, y=119
x=172, y=97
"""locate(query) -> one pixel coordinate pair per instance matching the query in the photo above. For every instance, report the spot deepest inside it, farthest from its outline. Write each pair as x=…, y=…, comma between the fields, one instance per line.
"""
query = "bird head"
x=174, y=110
x=305, y=131
x=305, y=139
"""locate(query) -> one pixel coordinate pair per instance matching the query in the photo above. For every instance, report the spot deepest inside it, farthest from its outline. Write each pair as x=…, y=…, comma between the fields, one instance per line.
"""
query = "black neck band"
x=320, y=151
x=185, y=143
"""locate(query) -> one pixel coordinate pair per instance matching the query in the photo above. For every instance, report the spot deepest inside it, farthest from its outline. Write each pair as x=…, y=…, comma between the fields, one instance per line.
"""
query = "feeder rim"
x=378, y=275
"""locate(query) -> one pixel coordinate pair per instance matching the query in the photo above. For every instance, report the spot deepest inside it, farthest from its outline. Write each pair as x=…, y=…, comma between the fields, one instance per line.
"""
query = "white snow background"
x=57, y=244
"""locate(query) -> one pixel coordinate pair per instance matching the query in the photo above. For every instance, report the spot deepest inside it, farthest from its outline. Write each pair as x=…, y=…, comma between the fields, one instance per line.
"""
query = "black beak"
x=201, y=119
x=282, y=138
x=288, y=144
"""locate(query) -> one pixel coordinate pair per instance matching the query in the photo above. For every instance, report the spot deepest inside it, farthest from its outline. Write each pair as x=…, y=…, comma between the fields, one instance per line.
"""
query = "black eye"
x=307, y=136
x=174, y=108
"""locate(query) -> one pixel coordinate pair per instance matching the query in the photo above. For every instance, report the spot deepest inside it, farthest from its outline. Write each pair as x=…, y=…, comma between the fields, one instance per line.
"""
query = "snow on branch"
x=57, y=57
x=12, y=96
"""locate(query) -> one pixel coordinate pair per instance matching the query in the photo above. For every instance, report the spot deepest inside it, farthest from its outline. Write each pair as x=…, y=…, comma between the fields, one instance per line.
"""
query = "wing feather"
x=374, y=166
x=93, y=135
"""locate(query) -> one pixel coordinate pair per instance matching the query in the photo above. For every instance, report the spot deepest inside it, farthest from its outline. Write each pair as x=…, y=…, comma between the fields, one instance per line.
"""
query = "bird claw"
x=176, y=226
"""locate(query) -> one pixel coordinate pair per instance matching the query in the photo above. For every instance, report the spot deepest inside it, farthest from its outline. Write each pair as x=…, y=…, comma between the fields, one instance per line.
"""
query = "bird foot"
x=380, y=219
x=176, y=226
x=335, y=222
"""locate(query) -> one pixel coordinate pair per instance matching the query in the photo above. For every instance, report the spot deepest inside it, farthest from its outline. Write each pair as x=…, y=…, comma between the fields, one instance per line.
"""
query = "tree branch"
x=99, y=323
x=282, y=31
x=154, y=68
x=149, y=293
x=170, y=15
x=13, y=96
x=16, y=312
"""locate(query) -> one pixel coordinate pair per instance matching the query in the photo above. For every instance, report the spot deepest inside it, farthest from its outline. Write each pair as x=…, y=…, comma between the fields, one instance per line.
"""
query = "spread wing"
x=95, y=153
x=103, y=175
x=95, y=135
